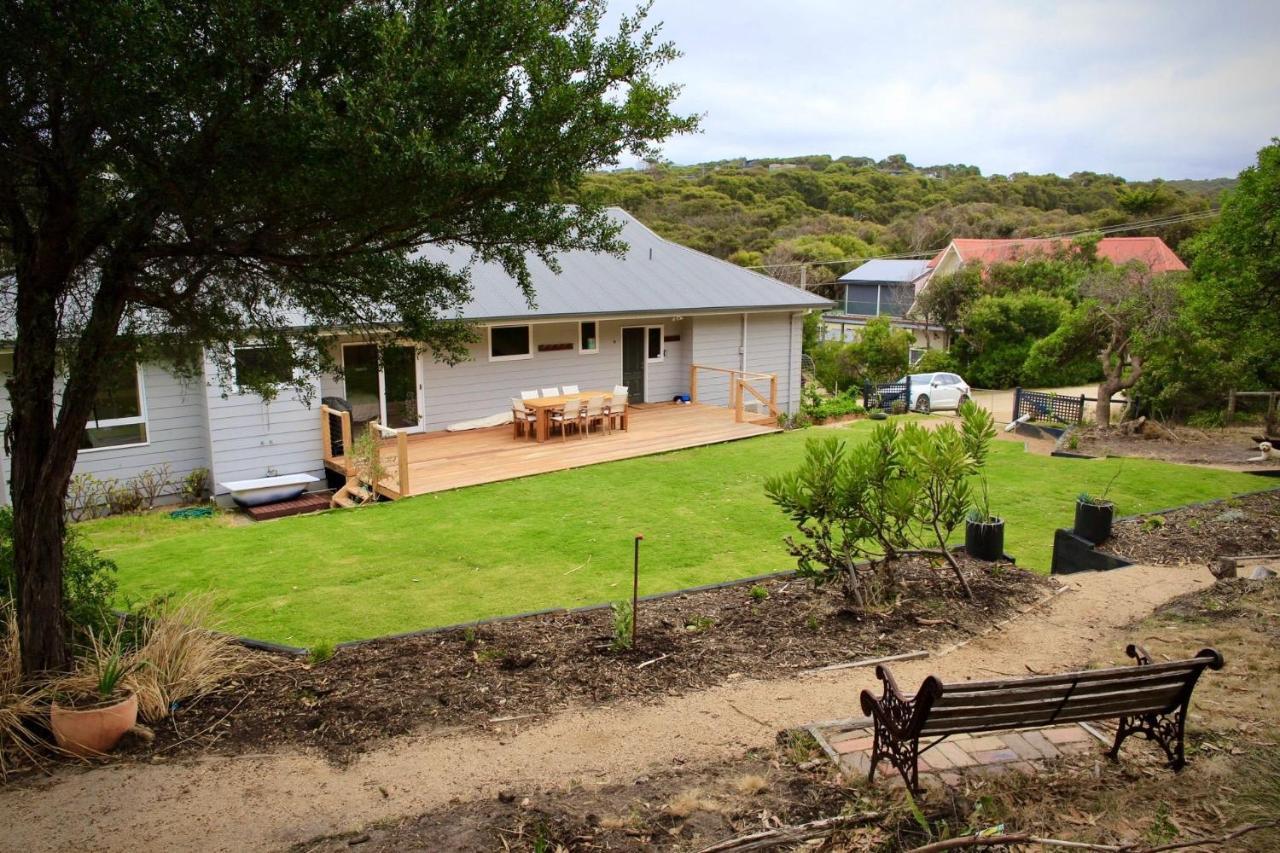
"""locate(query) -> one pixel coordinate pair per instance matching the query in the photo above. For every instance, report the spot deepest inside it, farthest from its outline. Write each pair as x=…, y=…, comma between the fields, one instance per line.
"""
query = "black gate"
x=887, y=395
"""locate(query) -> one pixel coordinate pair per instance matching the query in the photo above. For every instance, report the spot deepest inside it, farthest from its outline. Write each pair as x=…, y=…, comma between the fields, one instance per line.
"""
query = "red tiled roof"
x=1151, y=251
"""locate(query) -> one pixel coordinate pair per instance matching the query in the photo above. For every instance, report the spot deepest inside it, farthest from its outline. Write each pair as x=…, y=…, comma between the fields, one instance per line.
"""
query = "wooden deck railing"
x=401, y=487
x=344, y=462
x=740, y=384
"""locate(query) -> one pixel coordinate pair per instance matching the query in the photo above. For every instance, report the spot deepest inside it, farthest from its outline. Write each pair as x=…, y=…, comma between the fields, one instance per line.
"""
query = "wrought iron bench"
x=1149, y=699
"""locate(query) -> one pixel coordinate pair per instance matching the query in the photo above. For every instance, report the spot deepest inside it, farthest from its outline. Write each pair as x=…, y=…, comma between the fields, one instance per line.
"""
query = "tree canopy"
x=187, y=174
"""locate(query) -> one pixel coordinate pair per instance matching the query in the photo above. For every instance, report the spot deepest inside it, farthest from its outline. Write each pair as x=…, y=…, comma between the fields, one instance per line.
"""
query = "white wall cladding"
x=770, y=343
x=249, y=438
x=717, y=341
x=175, y=434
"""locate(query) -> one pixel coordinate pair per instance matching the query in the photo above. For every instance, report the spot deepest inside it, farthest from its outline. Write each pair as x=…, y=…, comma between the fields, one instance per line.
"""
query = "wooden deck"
x=443, y=460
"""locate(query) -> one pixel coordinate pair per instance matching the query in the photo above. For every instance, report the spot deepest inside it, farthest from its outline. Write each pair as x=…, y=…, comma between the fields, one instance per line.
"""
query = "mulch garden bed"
x=540, y=664
x=1230, y=446
x=1200, y=534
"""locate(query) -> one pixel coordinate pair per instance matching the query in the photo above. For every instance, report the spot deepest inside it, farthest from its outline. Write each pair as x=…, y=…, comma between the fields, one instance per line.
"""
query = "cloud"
x=1141, y=89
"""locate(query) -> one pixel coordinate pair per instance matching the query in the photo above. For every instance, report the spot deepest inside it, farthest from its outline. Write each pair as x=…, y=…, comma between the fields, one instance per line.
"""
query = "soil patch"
x=1234, y=527
x=686, y=808
x=1228, y=446
x=528, y=667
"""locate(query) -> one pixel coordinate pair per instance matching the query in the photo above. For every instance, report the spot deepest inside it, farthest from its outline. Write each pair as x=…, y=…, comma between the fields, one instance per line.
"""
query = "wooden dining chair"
x=569, y=389
x=550, y=392
x=529, y=395
x=594, y=411
x=569, y=413
x=617, y=409
x=524, y=419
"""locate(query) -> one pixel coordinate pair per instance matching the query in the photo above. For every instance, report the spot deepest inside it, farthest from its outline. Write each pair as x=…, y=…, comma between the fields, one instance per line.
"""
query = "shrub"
x=88, y=579
x=759, y=593
x=366, y=456
x=818, y=408
x=195, y=486
x=123, y=498
x=152, y=483
x=321, y=652
x=84, y=496
x=1211, y=419
x=936, y=361
x=623, y=625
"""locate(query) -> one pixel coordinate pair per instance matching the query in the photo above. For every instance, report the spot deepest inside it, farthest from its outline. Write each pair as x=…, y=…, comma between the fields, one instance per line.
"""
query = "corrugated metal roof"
x=653, y=276
x=1151, y=251
x=881, y=270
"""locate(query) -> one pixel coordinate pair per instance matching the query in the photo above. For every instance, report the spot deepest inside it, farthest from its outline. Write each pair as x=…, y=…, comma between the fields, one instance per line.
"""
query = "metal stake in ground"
x=635, y=590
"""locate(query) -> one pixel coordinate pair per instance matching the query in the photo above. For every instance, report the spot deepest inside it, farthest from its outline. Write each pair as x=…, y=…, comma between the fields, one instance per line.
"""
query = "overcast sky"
x=1139, y=89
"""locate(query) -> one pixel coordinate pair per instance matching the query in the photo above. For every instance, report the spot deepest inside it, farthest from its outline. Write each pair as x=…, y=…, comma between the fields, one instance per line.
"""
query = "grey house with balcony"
x=877, y=288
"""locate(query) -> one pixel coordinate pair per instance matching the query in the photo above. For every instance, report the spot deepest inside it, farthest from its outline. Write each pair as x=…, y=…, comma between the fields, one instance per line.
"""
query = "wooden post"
x=1231, y=406
x=1080, y=417
x=773, y=393
x=402, y=452
x=693, y=383
x=740, y=414
x=327, y=452
x=345, y=417
x=635, y=590
x=1017, y=398
x=1271, y=411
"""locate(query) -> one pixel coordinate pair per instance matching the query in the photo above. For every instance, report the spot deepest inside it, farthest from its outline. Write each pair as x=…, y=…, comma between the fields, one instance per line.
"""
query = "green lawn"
x=562, y=539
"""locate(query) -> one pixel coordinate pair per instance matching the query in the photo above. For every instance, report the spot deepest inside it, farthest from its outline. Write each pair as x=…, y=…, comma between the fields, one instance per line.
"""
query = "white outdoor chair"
x=570, y=414
x=594, y=411
x=617, y=408
x=528, y=395
x=569, y=389
x=550, y=392
x=523, y=418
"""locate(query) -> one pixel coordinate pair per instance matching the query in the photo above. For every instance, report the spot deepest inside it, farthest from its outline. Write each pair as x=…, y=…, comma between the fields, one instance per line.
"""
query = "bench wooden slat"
x=1108, y=674
x=1013, y=696
x=1046, y=713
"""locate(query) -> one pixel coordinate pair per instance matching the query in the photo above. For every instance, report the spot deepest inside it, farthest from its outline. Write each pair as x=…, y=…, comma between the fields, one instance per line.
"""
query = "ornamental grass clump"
x=21, y=706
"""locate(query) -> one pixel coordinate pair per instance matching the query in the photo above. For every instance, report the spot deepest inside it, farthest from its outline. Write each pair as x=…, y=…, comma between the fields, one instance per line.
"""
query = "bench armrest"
x=903, y=716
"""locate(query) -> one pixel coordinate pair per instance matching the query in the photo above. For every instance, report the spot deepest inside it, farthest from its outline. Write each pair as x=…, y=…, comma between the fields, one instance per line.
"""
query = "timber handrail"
x=401, y=437
x=739, y=386
x=326, y=433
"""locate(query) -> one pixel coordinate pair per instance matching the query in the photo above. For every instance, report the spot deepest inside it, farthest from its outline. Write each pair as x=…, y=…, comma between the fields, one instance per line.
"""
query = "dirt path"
x=266, y=802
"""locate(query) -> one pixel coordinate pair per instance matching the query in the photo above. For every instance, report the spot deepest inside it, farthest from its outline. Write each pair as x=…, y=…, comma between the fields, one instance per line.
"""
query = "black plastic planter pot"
x=984, y=540
x=1093, y=521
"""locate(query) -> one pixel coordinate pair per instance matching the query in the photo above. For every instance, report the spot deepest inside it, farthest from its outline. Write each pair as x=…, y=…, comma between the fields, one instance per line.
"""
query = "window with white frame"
x=256, y=367
x=507, y=343
x=654, y=351
x=588, y=340
x=119, y=414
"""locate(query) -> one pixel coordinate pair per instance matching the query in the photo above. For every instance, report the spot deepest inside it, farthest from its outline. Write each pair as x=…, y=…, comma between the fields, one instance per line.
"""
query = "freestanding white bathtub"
x=268, y=490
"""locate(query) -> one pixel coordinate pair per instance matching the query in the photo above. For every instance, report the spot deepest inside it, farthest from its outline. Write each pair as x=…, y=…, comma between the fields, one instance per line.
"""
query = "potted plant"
x=984, y=532
x=1093, y=517
x=91, y=722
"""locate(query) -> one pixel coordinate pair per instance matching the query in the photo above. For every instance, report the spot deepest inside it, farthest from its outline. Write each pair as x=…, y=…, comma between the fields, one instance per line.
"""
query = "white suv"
x=931, y=391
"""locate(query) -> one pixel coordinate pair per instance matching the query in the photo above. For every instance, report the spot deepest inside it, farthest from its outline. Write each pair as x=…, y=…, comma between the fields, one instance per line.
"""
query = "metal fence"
x=1045, y=406
x=887, y=394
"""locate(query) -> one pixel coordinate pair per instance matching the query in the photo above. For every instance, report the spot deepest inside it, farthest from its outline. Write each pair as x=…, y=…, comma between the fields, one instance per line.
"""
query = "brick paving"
x=1023, y=751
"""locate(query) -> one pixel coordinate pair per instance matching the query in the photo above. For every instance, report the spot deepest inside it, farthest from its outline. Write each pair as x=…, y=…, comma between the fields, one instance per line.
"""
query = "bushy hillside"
x=819, y=208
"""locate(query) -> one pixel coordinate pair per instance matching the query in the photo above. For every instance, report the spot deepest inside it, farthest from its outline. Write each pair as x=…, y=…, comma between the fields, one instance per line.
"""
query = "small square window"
x=509, y=342
x=259, y=366
x=655, y=343
x=587, y=340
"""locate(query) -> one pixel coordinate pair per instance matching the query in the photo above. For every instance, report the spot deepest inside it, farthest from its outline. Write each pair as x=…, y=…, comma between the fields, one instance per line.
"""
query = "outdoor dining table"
x=544, y=406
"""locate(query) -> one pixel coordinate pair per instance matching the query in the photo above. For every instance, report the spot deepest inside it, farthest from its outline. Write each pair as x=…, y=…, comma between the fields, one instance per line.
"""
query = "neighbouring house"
x=640, y=320
x=878, y=288
x=889, y=287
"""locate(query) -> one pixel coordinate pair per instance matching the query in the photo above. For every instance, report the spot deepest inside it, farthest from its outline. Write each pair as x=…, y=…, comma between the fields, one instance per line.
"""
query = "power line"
x=1158, y=222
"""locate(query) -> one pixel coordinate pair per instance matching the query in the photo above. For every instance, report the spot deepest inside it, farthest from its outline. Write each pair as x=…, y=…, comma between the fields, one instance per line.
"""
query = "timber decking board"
x=439, y=461
x=310, y=502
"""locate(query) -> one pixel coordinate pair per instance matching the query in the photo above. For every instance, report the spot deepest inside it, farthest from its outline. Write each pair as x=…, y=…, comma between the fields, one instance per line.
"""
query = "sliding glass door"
x=389, y=393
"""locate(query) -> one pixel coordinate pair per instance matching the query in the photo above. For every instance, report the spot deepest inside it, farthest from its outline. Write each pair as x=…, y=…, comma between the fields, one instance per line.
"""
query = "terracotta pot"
x=96, y=730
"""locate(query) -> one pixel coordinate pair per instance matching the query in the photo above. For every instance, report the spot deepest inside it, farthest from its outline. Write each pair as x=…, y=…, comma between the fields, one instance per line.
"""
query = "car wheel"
x=922, y=404
x=964, y=398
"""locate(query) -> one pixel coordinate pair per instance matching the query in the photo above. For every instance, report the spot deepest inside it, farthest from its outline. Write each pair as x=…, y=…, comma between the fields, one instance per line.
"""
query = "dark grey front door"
x=633, y=363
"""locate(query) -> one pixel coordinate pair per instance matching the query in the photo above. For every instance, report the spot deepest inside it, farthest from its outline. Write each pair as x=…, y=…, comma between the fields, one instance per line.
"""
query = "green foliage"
x=999, y=332
x=320, y=652
x=818, y=407
x=1067, y=356
x=195, y=486
x=759, y=593
x=88, y=579
x=624, y=619
x=880, y=354
x=857, y=509
x=936, y=361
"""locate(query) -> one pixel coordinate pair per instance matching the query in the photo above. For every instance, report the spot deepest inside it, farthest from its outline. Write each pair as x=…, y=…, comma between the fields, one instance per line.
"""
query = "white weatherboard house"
x=640, y=320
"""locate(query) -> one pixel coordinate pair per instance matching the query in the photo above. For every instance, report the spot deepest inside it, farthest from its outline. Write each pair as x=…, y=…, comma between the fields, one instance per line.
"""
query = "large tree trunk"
x=43, y=450
x=1115, y=382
